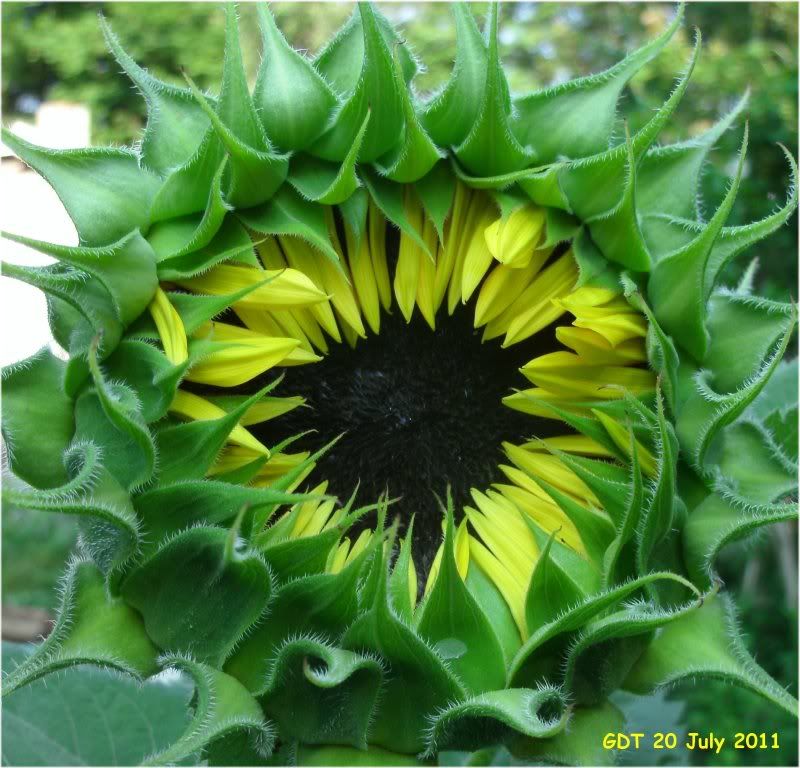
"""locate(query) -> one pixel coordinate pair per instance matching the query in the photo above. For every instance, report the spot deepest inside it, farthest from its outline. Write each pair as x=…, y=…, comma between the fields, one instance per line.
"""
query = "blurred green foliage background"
x=55, y=51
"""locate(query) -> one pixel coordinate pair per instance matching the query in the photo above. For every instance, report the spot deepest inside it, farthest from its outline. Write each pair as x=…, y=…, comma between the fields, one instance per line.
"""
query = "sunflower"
x=399, y=426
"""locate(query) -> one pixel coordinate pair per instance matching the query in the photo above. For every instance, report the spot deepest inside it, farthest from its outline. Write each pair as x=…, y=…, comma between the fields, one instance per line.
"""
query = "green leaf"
x=223, y=709
x=376, y=91
x=38, y=420
x=188, y=583
x=175, y=124
x=106, y=193
x=55, y=722
x=372, y=756
x=126, y=269
x=677, y=289
x=320, y=694
x=91, y=628
x=291, y=98
x=499, y=716
x=451, y=616
x=450, y=115
x=705, y=643
x=577, y=118
x=490, y=148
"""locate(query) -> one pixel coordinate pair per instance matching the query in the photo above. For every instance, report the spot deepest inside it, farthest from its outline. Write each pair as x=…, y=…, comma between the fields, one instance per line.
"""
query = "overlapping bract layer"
x=199, y=552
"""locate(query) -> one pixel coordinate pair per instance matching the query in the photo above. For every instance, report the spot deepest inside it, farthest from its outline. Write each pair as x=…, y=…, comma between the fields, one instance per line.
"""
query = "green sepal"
x=372, y=756
x=179, y=237
x=294, y=558
x=659, y=511
x=677, y=289
x=319, y=694
x=490, y=148
x=415, y=672
x=605, y=650
x=168, y=509
x=185, y=191
x=389, y=198
x=552, y=588
x=174, y=121
x=776, y=408
x=595, y=529
x=126, y=269
x=289, y=214
x=594, y=185
x=593, y=267
x=720, y=520
x=759, y=323
x=223, y=710
x=321, y=604
x=577, y=119
x=123, y=410
x=93, y=495
x=340, y=62
x=80, y=308
x=581, y=743
x=325, y=182
x=560, y=227
x=449, y=116
x=252, y=174
x=616, y=232
x=705, y=643
x=188, y=450
x=628, y=524
x=398, y=587
x=494, y=606
x=149, y=373
x=497, y=717
x=189, y=582
x=417, y=154
x=376, y=91
x=106, y=193
x=354, y=213
x=453, y=622
x=293, y=101
x=92, y=628
x=436, y=191
x=704, y=412
x=542, y=654
x=668, y=177
x=38, y=419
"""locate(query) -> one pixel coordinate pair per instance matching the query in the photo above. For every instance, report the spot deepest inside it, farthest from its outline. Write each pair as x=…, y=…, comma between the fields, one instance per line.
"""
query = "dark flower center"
x=419, y=411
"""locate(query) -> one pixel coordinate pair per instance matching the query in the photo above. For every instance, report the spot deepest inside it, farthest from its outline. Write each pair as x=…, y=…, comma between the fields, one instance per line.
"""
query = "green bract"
x=294, y=644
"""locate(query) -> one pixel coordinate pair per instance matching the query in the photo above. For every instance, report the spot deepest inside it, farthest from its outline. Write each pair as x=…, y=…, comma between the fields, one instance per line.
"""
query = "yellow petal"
x=462, y=549
x=270, y=408
x=531, y=401
x=426, y=284
x=552, y=470
x=504, y=286
x=364, y=280
x=303, y=259
x=621, y=438
x=406, y=275
x=306, y=509
x=412, y=582
x=319, y=517
x=478, y=257
x=445, y=259
x=287, y=287
x=512, y=240
x=580, y=444
x=360, y=545
x=434, y=570
x=376, y=228
x=247, y=356
x=567, y=373
x=196, y=408
x=594, y=348
x=458, y=235
x=170, y=328
x=509, y=588
x=340, y=556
